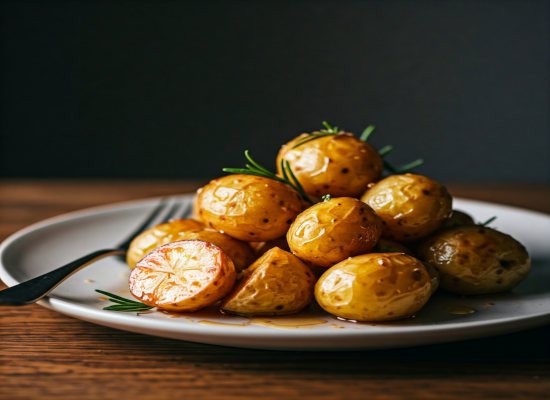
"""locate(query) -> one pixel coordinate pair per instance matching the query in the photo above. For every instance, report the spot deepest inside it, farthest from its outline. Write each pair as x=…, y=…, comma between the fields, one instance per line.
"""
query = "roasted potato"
x=374, y=287
x=183, y=276
x=278, y=283
x=410, y=206
x=250, y=208
x=159, y=235
x=476, y=260
x=333, y=230
x=339, y=165
x=458, y=218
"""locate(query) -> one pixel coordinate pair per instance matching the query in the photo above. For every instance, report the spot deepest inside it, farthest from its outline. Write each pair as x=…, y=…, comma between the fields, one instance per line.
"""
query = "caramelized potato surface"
x=333, y=230
x=249, y=208
x=183, y=276
x=278, y=283
x=476, y=260
x=374, y=287
x=410, y=206
x=339, y=165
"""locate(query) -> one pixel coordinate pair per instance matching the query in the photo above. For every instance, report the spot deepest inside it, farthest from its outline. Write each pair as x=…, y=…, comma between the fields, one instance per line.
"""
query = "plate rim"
x=80, y=311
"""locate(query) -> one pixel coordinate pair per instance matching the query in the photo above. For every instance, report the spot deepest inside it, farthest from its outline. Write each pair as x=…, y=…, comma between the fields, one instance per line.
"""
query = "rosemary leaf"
x=367, y=132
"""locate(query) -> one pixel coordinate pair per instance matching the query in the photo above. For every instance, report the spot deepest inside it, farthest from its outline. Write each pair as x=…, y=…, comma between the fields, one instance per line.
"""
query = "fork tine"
x=173, y=212
x=145, y=224
x=185, y=212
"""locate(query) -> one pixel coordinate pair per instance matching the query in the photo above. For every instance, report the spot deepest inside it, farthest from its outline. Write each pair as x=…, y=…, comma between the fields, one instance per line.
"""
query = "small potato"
x=159, y=235
x=183, y=276
x=339, y=165
x=458, y=218
x=476, y=260
x=249, y=208
x=410, y=206
x=374, y=287
x=333, y=230
x=278, y=283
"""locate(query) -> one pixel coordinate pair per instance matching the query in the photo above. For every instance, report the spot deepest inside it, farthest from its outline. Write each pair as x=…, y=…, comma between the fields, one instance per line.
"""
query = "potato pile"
x=336, y=224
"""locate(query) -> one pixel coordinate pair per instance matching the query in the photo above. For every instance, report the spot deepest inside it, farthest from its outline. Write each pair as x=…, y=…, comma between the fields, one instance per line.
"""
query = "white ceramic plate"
x=51, y=243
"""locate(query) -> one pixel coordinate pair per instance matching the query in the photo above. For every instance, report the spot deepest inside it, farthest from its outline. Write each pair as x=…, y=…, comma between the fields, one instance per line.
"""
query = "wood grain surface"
x=45, y=355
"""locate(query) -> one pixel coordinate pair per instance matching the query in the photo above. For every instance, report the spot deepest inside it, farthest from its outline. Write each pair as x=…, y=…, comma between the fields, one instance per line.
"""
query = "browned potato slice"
x=183, y=276
x=278, y=283
x=333, y=230
x=157, y=236
x=458, y=218
x=476, y=260
x=339, y=165
x=250, y=208
x=374, y=287
x=410, y=206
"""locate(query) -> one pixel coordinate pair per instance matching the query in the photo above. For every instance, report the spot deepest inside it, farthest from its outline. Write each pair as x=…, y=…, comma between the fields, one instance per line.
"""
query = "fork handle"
x=34, y=289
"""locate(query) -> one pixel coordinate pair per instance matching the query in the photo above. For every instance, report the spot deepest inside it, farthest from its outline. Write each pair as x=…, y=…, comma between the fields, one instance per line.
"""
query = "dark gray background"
x=178, y=89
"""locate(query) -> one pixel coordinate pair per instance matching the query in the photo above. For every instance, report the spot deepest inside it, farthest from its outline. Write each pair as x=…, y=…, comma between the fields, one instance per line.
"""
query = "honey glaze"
x=461, y=310
x=288, y=322
x=206, y=322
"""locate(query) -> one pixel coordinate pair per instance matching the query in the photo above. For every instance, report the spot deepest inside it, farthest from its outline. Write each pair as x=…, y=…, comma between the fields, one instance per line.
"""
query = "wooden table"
x=45, y=355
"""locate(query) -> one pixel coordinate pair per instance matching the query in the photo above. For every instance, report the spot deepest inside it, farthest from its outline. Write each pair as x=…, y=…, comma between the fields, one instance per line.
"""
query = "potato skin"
x=339, y=165
x=476, y=259
x=183, y=276
x=410, y=206
x=458, y=218
x=278, y=283
x=374, y=287
x=249, y=208
x=333, y=230
x=158, y=236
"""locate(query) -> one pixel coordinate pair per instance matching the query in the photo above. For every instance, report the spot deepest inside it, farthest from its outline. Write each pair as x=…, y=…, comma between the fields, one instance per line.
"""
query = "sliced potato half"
x=185, y=275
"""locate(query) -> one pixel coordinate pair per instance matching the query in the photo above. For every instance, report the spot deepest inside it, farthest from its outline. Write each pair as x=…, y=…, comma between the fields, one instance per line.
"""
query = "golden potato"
x=374, y=287
x=250, y=208
x=339, y=165
x=157, y=236
x=333, y=230
x=458, y=218
x=476, y=260
x=410, y=206
x=183, y=276
x=278, y=283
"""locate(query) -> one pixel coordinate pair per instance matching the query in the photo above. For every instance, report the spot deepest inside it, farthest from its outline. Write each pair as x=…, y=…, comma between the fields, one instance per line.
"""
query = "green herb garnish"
x=328, y=131
x=326, y=197
x=256, y=169
x=490, y=220
x=123, y=304
x=367, y=132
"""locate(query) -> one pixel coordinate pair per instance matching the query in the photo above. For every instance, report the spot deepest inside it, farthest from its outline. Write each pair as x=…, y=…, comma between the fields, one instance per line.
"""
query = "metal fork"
x=34, y=289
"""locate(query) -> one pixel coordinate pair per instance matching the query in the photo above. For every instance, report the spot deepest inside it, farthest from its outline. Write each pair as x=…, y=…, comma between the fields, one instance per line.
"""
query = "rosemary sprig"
x=256, y=169
x=490, y=220
x=367, y=132
x=328, y=131
x=326, y=197
x=123, y=304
